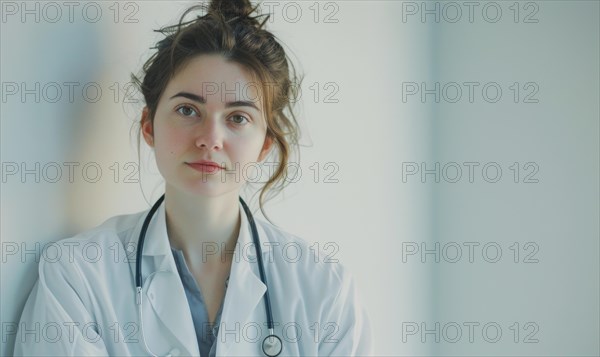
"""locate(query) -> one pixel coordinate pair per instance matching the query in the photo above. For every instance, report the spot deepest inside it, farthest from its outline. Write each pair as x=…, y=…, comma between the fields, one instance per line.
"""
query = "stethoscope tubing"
x=261, y=266
x=142, y=238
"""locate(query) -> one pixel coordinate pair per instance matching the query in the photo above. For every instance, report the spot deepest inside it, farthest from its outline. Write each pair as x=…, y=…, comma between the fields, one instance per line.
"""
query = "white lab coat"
x=84, y=302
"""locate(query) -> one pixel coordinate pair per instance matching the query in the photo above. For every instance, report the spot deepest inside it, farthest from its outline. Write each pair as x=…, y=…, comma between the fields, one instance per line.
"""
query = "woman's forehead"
x=214, y=78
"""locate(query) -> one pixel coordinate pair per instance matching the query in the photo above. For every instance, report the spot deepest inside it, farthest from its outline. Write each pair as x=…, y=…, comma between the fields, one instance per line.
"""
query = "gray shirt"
x=205, y=332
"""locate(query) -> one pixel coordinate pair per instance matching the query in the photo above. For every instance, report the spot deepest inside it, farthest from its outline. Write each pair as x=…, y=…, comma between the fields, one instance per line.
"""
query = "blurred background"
x=451, y=153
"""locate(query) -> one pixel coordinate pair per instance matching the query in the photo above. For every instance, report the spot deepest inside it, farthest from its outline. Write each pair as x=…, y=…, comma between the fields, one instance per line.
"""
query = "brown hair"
x=227, y=28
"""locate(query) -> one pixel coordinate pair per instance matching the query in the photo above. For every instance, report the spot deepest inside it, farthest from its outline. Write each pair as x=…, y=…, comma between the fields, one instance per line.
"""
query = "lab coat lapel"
x=243, y=300
x=163, y=290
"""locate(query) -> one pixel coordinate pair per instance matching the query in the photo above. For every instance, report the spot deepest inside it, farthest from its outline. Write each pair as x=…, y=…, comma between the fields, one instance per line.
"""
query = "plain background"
x=530, y=284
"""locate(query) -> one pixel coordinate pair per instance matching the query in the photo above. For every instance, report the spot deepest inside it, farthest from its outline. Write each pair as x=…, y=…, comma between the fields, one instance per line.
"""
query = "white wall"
x=373, y=50
x=558, y=215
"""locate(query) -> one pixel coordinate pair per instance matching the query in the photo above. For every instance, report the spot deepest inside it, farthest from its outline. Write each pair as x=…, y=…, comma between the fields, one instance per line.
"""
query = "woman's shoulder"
x=106, y=242
x=292, y=254
x=118, y=226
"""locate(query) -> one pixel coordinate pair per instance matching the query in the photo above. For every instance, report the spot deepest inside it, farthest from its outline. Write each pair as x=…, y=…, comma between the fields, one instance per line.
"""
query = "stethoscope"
x=271, y=345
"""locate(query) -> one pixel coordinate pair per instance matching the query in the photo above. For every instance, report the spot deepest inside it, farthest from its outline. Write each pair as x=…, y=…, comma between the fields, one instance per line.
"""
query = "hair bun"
x=232, y=9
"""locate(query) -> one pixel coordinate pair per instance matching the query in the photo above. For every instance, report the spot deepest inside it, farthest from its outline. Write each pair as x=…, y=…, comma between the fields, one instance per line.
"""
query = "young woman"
x=197, y=274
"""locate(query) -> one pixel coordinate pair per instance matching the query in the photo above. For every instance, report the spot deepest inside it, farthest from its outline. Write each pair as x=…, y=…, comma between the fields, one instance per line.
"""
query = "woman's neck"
x=204, y=228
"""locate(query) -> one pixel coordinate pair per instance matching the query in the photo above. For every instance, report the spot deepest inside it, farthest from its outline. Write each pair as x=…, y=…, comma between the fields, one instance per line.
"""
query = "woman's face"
x=211, y=110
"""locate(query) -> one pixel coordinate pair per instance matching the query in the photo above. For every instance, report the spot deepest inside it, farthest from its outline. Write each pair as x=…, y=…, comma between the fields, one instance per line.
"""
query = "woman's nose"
x=210, y=135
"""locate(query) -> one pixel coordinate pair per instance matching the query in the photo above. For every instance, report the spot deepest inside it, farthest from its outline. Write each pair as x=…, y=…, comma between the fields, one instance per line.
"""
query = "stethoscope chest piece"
x=272, y=346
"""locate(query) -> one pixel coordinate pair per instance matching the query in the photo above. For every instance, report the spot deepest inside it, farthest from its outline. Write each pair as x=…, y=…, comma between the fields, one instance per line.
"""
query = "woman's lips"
x=205, y=166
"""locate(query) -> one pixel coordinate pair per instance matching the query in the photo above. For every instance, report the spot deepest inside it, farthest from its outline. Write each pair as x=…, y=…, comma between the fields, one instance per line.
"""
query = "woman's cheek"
x=240, y=151
x=174, y=141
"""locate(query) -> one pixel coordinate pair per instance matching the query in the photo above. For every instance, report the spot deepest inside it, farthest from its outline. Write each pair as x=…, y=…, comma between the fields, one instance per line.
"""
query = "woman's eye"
x=240, y=119
x=186, y=110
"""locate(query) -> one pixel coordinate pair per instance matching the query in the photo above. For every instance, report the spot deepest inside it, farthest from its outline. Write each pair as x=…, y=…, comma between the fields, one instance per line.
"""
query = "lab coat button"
x=174, y=352
x=151, y=296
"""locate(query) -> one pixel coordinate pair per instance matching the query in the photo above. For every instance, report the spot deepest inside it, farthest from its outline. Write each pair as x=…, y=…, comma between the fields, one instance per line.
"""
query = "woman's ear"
x=266, y=148
x=147, y=128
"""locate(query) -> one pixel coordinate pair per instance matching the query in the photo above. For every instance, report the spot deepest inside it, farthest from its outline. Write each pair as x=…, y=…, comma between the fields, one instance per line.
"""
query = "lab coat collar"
x=244, y=292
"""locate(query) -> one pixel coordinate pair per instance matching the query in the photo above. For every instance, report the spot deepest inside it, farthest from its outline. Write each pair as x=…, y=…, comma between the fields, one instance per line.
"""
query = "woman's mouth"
x=205, y=166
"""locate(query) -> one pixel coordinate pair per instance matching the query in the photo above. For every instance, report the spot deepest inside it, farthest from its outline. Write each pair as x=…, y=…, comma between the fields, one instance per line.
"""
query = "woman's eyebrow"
x=190, y=96
x=200, y=99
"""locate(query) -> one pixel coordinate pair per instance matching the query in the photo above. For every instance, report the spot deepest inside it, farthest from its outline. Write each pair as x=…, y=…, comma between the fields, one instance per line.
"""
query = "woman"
x=196, y=274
